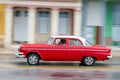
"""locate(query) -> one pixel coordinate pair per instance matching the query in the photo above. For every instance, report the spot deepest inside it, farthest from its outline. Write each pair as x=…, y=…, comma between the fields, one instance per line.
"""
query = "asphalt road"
x=12, y=61
x=57, y=74
x=12, y=68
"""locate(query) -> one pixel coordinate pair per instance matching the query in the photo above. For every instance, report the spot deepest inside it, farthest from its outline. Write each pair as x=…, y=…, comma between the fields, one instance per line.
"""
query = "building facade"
x=34, y=21
x=2, y=24
x=101, y=21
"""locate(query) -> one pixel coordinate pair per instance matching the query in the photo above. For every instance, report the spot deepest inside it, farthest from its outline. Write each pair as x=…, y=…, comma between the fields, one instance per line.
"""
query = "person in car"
x=62, y=42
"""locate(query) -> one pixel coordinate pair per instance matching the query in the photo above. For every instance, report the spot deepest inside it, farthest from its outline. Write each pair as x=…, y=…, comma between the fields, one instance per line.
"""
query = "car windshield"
x=50, y=40
x=87, y=43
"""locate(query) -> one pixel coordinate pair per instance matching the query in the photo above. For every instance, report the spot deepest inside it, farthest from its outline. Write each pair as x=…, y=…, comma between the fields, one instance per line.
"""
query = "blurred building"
x=101, y=21
x=2, y=24
x=33, y=21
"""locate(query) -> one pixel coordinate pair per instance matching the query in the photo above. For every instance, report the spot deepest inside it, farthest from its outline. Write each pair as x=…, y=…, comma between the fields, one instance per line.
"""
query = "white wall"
x=95, y=14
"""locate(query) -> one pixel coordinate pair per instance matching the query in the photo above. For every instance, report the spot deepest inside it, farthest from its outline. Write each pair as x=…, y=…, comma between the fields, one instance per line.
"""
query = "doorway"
x=20, y=34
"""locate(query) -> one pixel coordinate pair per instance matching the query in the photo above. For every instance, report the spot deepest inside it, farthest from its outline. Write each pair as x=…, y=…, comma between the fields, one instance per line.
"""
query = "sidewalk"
x=115, y=51
x=7, y=51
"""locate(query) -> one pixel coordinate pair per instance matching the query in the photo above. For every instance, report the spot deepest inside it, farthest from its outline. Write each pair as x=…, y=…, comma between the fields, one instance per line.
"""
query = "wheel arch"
x=89, y=56
x=34, y=53
x=88, y=62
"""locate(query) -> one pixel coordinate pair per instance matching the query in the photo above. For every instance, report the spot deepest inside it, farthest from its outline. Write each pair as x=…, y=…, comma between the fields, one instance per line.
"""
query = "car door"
x=57, y=51
x=75, y=50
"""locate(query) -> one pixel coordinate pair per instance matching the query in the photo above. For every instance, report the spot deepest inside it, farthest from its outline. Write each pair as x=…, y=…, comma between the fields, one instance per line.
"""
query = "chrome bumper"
x=109, y=57
x=20, y=55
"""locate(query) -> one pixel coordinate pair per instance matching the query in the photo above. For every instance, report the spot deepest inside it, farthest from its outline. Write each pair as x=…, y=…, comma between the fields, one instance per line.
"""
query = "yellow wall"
x=2, y=21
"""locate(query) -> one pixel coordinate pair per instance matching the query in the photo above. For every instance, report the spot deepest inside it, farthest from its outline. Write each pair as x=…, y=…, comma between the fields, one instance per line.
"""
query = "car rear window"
x=74, y=42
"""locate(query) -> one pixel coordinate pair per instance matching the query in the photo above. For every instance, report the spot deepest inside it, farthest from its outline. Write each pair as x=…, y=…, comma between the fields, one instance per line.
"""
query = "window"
x=87, y=43
x=116, y=22
x=43, y=21
x=74, y=42
x=50, y=40
x=64, y=23
x=60, y=42
x=43, y=14
x=63, y=14
x=26, y=13
x=17, y=13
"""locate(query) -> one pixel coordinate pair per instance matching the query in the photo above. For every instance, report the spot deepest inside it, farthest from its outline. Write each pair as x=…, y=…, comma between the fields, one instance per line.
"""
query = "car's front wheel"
x=33, y=59
x=89, y=61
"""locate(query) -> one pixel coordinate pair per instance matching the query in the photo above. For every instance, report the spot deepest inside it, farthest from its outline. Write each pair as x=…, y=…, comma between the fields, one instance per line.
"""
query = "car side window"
x=60, y=42
x=74, y=42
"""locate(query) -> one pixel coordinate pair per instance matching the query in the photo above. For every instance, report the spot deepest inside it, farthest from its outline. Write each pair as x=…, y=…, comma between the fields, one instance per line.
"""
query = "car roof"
x=76, y=37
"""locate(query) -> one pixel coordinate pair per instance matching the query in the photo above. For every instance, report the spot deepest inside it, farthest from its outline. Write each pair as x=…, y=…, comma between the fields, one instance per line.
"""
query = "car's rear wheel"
x=33, y=59
x=89, y=61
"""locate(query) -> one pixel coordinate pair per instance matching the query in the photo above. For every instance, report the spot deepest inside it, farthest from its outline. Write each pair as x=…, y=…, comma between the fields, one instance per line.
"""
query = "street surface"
x=57, y=74
x=12, y=68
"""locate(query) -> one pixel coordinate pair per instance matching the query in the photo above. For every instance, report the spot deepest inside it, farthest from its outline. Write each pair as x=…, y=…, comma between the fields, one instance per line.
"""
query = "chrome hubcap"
x=89, y=60
x=33, y=59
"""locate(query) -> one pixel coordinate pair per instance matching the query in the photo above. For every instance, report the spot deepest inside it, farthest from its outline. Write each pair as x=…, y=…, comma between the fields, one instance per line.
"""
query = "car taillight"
x=109, y=50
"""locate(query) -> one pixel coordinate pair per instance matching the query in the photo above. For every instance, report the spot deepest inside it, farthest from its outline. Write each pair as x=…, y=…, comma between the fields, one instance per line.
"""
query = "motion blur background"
x=33, y=21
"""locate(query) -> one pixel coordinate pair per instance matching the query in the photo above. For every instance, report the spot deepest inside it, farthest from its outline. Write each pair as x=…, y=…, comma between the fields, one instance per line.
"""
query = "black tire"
x=81, y=64
x=33, y=59
x=89, y=61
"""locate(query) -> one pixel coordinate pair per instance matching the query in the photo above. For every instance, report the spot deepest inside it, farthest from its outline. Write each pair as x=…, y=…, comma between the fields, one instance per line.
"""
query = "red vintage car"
x=64, y=48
